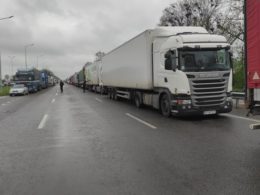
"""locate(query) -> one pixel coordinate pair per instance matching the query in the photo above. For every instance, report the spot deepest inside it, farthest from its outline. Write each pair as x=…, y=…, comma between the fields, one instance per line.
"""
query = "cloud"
x=69, y=33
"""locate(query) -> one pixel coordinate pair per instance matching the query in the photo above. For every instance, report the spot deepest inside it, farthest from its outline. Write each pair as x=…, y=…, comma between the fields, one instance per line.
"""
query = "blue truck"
x=30, y=77
x=44, y=79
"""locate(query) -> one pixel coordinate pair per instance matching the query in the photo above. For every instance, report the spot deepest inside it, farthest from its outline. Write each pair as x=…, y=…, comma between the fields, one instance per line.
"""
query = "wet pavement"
x=75, y=143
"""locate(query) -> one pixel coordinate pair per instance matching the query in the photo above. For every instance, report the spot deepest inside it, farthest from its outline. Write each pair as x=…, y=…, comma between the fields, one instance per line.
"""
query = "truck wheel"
x=138, y=102
x=165, y=105
x=114, y=96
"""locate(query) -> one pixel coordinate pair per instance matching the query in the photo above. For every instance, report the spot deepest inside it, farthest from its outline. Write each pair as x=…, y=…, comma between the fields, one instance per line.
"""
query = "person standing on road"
x=84, y=86
x=61, y=86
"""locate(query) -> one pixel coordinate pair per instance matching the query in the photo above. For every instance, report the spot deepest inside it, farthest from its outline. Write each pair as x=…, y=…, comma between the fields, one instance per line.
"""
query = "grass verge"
x=4, y=91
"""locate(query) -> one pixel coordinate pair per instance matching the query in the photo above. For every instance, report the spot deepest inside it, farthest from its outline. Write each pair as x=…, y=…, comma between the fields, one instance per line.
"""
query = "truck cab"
x=192, y=72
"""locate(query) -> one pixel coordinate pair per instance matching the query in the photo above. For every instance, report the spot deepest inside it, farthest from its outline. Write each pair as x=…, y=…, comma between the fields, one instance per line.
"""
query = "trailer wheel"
x=110, y=93
x=138, y=100
x=114, y=96
x=165, y=105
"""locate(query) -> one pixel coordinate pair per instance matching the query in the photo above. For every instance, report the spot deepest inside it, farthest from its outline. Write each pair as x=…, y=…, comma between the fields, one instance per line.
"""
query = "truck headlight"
x=229, y=99
x=182, y=102
x=186, y=101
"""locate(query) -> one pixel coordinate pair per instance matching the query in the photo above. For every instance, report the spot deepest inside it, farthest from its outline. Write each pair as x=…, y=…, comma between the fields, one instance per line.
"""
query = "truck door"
x=159, y=72
x=164, y=75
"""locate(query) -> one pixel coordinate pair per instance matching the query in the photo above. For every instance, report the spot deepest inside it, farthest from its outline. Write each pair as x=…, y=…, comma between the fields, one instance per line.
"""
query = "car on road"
x=18, y=89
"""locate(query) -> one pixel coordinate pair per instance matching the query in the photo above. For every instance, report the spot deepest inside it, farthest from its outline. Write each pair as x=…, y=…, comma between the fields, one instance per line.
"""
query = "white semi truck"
x=92, y=76
x=178, y=70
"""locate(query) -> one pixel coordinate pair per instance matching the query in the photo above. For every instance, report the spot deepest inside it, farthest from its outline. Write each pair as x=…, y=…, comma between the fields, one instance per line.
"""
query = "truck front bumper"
x=185, y=110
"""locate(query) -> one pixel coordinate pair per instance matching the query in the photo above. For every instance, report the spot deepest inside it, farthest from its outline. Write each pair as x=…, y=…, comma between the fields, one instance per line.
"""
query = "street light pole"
x=25, y=53
x=6, y=18
x=1, y=56
x=11, y=59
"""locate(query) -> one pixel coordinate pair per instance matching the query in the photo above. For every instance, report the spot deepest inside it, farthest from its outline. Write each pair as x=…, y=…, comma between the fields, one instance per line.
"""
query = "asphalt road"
x=75, y=143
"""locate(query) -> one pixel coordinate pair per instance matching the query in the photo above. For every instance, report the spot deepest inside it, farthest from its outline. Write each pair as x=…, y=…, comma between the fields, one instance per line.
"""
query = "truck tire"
x=114, y=96
x=165, y=105
x=138, y=100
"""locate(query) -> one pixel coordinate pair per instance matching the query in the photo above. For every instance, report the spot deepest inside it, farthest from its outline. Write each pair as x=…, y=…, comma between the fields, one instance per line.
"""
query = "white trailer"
x=74, y=79
x=177, y=70
x=51, y=81
x=92, y=75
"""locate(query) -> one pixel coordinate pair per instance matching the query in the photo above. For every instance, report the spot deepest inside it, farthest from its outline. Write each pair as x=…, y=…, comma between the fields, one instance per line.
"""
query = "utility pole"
x=25, y=53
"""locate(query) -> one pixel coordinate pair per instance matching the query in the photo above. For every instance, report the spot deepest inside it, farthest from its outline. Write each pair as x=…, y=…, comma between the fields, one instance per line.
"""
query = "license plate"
x=209, y=112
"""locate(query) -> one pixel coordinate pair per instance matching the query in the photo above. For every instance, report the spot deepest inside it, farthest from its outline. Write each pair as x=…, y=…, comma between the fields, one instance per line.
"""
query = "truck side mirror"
x=174, y=65
x=170, y=61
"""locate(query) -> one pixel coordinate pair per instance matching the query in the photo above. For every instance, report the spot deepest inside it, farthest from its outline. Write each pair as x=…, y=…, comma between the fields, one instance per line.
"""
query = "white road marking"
x=66, y=138
x=56, y=94
x=53, y=101
x=141, y=121
x=43, y=121
x=3, y=104
x=39, y=148
x=99, y=100
x=9, y=102
x=240, y=117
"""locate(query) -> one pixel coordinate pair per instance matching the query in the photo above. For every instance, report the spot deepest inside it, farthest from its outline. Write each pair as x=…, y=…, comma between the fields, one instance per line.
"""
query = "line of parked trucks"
x=34, y=79
x=177, y=70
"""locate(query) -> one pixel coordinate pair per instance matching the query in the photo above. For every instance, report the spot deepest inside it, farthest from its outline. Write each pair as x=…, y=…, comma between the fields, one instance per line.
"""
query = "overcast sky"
x=67, y=33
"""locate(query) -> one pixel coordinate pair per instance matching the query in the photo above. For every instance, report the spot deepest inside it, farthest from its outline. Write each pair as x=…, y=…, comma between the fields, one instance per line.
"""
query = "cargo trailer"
x=177, y=70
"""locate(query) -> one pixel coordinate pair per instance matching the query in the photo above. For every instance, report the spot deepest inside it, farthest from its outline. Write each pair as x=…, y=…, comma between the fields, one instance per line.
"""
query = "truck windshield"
x=24, y=78
x=204, y=60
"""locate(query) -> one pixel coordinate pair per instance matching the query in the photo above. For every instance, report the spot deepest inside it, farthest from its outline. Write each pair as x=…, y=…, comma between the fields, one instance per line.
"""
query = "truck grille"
x=208, y=92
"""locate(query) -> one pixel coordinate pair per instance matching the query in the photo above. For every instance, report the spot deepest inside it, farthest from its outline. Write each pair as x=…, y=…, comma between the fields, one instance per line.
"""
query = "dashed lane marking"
x=99, y=100
x=240, y=117
x=141, y=121
x=53, y=101
x=43, y=121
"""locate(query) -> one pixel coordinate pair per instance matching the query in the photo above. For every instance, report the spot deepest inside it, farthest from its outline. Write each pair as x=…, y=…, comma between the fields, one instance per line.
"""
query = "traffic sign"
x=256, y=76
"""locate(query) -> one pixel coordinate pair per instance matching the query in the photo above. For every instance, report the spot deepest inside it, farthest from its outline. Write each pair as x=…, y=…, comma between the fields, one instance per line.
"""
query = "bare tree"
x=99, y=55
x=217, y=16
